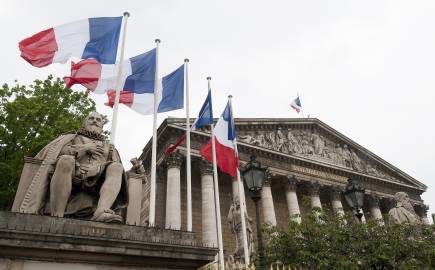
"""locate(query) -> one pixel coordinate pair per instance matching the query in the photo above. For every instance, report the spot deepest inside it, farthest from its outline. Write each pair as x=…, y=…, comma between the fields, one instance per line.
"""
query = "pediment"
x=312, y=139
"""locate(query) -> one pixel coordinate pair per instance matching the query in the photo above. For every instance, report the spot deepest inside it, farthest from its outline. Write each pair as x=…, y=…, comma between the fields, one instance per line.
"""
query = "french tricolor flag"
x=225, y=135
x=170, y=95
x=90, y=38
x=296, y=104
x=138, y=74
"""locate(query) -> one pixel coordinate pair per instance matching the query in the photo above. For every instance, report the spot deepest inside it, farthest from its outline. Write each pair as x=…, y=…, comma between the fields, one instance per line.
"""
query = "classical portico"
x=308, y=167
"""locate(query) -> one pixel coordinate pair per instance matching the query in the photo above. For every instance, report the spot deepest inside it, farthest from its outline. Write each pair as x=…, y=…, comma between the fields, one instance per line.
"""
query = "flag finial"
x=157, y=40
x=230, y=96
x=186, y=60
x=126, y=14
x=208, y=78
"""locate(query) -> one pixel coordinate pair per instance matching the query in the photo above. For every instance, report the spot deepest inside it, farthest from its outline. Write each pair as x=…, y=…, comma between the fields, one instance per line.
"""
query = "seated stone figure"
x=79, y=175
x=403, y=212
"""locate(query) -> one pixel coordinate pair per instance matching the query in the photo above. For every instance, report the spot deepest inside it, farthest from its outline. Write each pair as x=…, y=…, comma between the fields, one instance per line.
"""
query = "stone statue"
x=235, y=221
x=403, y=212
x=80, y=176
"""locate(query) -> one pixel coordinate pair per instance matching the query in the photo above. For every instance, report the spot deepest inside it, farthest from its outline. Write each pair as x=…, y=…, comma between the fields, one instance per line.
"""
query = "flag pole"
x=118, y=82
x=241, y=195
x=302, y=111
x=152, y=212
x=216, y=195
x=188, y=162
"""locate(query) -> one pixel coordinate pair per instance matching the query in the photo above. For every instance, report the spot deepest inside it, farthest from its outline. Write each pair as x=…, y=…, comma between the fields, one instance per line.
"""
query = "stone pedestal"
x=135, y=182
x=208, y=218
x=42, y=242
x=173, y=199
x=292, y=199
x=267, y=202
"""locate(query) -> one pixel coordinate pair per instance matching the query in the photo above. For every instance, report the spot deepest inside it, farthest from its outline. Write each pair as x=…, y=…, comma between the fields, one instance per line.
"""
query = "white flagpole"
x=188, y=162
x=152, y=212
x=241, y=197
x=118, y=82
x=302, y=111
x=216, y=195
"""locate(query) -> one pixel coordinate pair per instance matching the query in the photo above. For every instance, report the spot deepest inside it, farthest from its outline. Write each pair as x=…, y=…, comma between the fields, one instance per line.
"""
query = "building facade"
x=309, y=164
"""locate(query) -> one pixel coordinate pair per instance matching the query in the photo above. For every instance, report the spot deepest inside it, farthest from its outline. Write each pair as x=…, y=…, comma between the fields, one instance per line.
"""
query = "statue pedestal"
x=43, y=242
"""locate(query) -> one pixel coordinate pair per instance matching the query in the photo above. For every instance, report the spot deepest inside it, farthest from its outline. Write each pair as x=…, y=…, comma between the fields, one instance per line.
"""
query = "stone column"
x=173, y=200
x=336, y=204
x=134, y=207
x=423, y=214
x=315, y=195
x=292, y=199
x=267, y=201
x=209, y=236
x=375, y=211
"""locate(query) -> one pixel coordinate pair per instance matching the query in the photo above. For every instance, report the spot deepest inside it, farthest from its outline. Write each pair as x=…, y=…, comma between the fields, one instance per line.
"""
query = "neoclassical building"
x=309, y=164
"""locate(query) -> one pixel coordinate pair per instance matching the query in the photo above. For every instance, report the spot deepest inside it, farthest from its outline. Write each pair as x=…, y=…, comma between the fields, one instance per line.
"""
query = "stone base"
x=42, y=242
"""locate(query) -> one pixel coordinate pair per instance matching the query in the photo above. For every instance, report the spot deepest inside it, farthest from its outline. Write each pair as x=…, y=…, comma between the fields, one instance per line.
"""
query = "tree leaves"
x=329, y=244
x=30, y=117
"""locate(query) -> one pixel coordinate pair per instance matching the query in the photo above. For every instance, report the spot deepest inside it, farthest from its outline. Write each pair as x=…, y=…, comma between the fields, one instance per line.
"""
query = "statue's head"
x=94, y=123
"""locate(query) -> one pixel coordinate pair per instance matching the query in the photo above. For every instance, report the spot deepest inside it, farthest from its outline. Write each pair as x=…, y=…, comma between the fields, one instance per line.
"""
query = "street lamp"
x=354, y=195
x=254, y=177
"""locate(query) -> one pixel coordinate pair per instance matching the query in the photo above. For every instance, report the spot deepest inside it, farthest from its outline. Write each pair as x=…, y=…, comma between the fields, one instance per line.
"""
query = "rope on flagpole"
x=241, y=195
x=216, y=195
x=188, y=159
x=118, y=82
x=152, y=212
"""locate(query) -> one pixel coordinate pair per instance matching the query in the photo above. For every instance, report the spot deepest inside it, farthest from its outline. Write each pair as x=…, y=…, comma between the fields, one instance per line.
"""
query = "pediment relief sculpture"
x=313, y=145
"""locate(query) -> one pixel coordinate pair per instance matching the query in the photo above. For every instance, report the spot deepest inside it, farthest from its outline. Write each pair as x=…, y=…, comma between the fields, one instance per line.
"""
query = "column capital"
x=314, y=188
x=292, y=182
x=174, y=160
x=336, y=192
x=268, y=178
x=205, y=167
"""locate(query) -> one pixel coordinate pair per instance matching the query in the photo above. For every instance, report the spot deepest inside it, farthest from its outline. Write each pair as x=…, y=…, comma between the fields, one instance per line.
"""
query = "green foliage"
x=30, y=117
x=325, y=242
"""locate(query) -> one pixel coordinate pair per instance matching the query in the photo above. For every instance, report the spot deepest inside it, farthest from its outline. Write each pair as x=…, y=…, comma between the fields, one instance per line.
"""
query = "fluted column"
x=375, y=211
x=336, y=204
x=209, y=236
x=173, y=200
x=292, y=199
x=315, y=195
x=267, y=201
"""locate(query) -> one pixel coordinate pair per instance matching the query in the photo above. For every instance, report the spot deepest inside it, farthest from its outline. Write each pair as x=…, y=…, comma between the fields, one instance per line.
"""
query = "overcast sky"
x=366, y=68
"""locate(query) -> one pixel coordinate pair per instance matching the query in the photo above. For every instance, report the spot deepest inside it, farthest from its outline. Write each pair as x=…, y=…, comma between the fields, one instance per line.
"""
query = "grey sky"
x=366, y=68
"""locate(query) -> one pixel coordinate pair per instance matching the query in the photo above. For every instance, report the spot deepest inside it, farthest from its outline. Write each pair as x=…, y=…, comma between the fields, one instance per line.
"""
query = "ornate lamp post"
x=254, y=177
x=354, y=195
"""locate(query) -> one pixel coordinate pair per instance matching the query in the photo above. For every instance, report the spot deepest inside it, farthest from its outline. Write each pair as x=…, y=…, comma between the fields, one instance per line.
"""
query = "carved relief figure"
x=81, y=176
x=347, y=156
x=356, y=162
x=403, y=212
x=292, y=143
x=318, y=143
x=279, y=138
x=235, y=221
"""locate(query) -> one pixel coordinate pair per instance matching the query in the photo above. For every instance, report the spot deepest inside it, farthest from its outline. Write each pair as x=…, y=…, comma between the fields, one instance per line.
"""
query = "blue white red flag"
x=205, y=117
x=170, y=95
x=138, y=74
x=225, y=135
x=89, y=38
x=296, y=104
